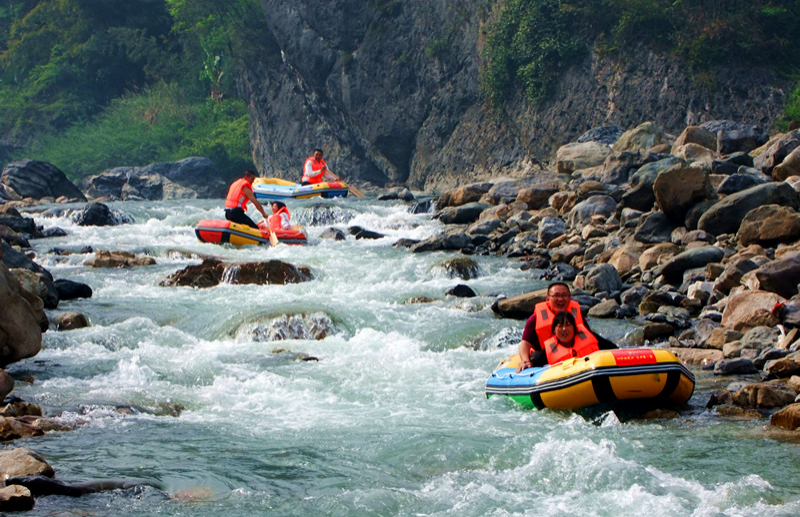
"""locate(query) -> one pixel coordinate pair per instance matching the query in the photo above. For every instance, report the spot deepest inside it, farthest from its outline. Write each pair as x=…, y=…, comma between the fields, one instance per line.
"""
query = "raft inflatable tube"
x=275, y=188
x=218, y=231
x=651, y=376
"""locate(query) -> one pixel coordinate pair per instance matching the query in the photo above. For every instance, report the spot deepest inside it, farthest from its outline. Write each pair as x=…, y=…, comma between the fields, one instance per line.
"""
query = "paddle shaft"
x=356, y=192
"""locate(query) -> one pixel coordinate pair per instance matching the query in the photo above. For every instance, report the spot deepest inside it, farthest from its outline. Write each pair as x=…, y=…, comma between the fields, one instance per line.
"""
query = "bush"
x=158, y=125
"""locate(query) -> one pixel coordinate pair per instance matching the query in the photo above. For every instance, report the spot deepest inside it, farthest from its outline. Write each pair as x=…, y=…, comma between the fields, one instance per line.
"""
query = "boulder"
x=790, y=166
x=21, y=461
x=762, y=396
x=726, y=215
x=71, y=320
x=736, y=137
x=20, y=328
x=776, y=150
x=739, y=182
x=654, y=228
x=695, y=135
x=780, y=276
x=584, y=211
x=678, y=188
x=787, y=418
x=602, y=134
x=550, y=228
x=602, y=278
x=769, y=225
x=581, y=155
x=463, y=195
x=462, y=214
x=743, y=304
x=519, y=307
x=118, y=259
x=16, y=498
x=674, y=268
x=37, y=180
x=212, y=272
x=99, y=214
x=72, y=290
x=640, y=195
x=642, y=138
x=14, y=259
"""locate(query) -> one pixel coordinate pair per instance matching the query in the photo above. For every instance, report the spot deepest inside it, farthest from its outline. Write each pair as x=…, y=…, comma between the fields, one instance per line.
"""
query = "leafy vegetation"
x=531, y=42
x=91, y=84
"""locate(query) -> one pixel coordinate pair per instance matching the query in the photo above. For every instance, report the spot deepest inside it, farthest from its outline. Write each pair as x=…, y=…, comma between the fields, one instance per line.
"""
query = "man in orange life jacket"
x=240, y=192
x=316, y=170
x=538, y=328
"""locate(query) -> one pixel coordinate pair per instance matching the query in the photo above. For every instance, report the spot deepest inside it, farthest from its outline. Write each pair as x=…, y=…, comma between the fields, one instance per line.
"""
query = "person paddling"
x=239, y=193
x=316, y=170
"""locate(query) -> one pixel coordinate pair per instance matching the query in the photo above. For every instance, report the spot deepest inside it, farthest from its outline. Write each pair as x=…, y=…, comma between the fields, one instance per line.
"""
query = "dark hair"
x=251, y=172
x=320, y=150
x=563, y=317
x=555, y=284
x=280, y=204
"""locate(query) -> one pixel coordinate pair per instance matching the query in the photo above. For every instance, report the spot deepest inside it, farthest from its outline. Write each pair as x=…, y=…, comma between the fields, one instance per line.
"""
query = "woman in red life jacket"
x=279, y=220
x=570, y=339
x=240, y=192
x=315, y=170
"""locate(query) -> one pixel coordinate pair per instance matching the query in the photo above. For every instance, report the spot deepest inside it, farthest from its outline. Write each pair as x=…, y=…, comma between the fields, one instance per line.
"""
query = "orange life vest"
x=236, y=198
x=275, y=219
x=544, y=319
x=584, y=344
x=313, y=174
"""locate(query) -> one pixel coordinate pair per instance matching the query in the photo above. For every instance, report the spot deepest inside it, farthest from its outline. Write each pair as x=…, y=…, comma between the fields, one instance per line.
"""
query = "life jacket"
x=312, y=170
x=544, y=318
x=275, y=219
x=237, y=199
x=584, y=344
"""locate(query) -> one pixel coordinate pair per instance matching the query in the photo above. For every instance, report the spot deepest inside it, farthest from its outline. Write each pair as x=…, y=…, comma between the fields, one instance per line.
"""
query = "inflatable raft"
x=652, y=376
x=218, y=231
x=275, y=188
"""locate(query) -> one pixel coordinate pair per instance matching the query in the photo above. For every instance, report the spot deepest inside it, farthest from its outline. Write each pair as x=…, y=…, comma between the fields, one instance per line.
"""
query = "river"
x=390, y=421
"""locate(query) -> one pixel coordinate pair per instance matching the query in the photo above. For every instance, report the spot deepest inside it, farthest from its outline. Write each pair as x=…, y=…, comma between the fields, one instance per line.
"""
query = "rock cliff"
x=390, y=90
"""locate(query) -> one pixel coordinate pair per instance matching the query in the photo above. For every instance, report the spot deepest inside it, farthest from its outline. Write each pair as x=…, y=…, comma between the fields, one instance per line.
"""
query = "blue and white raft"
x=276, y=188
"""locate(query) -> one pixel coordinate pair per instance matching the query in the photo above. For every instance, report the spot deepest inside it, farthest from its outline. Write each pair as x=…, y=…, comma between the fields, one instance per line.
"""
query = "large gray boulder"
x=184, y=179
x=736, y=137
x=37, y=180
x=20, y=333
x=726, y=215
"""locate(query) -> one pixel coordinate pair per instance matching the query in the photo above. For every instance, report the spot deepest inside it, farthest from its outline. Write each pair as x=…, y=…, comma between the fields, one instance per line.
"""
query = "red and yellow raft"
x=651, y=376
x=218, y=231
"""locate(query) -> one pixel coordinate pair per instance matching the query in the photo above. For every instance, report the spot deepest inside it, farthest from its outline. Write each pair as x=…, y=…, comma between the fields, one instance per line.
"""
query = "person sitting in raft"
x=538, y=328
x=316, y=170
x=279, y=220
x=570, y=339
x=240, y=192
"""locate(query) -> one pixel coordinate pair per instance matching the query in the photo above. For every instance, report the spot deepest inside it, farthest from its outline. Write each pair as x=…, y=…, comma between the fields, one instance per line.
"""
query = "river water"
x=390, y=421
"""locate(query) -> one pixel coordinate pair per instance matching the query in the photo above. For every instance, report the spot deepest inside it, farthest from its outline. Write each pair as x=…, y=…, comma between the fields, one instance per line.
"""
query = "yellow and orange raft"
x=653, y=377
x=218, y=231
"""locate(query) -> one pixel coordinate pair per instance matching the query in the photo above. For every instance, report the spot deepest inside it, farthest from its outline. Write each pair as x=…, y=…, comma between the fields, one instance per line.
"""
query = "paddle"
x=273, y=239
x=356, y=192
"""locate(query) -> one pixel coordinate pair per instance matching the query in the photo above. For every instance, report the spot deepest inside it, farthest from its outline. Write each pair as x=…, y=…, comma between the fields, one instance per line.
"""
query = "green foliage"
x=67, y=58
x=159, y=124
x=531, y=42
x=792, y=111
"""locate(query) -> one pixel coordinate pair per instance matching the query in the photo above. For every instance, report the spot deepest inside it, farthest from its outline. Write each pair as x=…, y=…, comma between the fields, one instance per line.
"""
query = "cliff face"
x=390, y=91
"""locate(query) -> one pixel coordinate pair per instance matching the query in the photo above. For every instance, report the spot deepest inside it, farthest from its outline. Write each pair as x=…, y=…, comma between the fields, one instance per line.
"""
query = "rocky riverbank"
x=693, y=237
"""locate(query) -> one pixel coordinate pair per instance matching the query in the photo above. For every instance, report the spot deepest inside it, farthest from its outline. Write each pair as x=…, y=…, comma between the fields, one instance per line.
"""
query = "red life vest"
x=584, y=344
x=544, y=319
x=312, y=170
x=275, y=219
x=237, y=199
